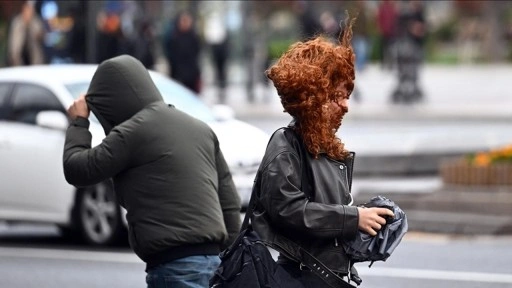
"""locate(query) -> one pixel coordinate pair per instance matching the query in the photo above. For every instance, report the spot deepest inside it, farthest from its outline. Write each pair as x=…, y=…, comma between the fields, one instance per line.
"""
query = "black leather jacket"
x=313, y=212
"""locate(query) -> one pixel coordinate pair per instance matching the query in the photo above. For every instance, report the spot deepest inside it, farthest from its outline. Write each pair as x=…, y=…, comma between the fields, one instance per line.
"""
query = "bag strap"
x=251, y=205
x=323, y=272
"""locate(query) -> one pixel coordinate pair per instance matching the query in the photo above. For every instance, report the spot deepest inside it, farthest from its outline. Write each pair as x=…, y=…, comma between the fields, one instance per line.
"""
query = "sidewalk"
x=451, y=92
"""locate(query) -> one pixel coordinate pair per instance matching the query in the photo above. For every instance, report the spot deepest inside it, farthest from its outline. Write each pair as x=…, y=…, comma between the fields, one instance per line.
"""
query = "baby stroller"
x=408, y=59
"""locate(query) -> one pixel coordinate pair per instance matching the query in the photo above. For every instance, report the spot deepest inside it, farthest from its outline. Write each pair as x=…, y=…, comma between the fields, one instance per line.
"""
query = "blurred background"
x=429, y=120
x=450, y=32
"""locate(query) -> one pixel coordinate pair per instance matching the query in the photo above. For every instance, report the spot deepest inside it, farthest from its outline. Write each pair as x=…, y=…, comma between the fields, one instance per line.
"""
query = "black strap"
x=308, y=260
x=251, y=205
x=322, y=271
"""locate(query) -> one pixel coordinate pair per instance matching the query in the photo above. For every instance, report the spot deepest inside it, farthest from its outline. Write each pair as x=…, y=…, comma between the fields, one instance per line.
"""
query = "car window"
x=183, y=99
x=5, y=88
x=29, y=99
x=77, y=89
x=172, y=92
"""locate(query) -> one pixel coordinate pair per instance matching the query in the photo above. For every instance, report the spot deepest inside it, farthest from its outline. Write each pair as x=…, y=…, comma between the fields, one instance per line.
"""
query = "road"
x=440, y=261
x=38, y=257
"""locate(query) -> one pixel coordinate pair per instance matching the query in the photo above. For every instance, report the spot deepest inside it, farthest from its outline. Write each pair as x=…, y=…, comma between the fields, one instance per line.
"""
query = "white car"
x=33, y=101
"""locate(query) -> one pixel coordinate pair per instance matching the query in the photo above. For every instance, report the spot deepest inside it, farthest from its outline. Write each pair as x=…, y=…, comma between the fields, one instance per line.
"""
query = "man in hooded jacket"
x=168, y=173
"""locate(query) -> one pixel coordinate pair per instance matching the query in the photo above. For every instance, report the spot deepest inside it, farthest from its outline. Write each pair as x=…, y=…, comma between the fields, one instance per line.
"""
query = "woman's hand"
x=372, y=219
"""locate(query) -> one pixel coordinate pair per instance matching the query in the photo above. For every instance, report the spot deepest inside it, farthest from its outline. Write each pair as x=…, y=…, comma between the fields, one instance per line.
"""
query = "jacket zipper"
x=349, y=175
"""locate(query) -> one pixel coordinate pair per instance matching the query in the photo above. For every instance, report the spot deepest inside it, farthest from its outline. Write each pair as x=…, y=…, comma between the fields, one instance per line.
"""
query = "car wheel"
x=98, y=216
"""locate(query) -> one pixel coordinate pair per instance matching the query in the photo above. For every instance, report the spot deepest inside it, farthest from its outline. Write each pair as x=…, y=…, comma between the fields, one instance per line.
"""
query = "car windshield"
x=173, y=93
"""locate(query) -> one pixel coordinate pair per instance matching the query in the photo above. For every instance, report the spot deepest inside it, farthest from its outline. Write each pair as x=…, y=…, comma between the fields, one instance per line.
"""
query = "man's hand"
x=78, y=108
x=372, y=219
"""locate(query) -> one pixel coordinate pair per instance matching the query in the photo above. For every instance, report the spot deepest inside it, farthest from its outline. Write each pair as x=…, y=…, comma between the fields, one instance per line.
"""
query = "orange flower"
x=482, y=159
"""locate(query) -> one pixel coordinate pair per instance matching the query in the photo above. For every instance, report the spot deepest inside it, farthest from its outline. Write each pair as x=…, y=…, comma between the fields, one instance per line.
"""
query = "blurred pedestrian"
x=25, y=39
x=216, y=37
x=413, y=20
x=77, y=37
x=408, y=49
x=304, y=180
x=309, y=25
x=143, y=45
x=360, y=40
x=109, y=32
x=387, y=17
x=330, y=25
x=184, y=47
x=168, y=173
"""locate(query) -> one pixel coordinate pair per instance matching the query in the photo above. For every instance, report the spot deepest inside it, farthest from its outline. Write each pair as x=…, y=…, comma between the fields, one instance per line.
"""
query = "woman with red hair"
x=302, y=189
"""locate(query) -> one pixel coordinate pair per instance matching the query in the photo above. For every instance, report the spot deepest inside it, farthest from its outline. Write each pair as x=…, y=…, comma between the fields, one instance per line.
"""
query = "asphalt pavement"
x=465, y=108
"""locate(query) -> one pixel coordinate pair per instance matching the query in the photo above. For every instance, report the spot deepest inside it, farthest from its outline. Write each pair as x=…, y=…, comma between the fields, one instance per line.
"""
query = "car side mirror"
x=223, y=112
x=52, y=119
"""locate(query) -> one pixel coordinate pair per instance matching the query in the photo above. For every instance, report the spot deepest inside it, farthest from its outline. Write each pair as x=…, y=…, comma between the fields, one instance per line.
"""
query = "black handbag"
x=248, y=263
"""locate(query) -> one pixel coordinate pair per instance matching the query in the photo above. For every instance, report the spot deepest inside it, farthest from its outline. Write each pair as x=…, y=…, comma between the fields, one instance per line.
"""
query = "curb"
x=455, y=209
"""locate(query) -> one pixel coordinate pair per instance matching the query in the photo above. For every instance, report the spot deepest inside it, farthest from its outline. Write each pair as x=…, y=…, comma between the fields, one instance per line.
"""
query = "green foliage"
x=375, y=46
x=446, y=32
x=277, y=47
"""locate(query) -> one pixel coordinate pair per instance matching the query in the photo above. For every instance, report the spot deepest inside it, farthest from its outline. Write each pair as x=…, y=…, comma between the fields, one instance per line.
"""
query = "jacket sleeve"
x=289, y=207
x=84, y=165
x=228, y=197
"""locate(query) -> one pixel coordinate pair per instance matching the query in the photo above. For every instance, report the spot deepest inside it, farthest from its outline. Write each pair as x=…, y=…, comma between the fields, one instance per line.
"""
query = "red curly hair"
x=306, y=77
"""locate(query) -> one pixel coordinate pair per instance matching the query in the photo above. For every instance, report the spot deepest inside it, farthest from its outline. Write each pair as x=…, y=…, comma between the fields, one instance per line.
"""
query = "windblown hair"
x=306, y=78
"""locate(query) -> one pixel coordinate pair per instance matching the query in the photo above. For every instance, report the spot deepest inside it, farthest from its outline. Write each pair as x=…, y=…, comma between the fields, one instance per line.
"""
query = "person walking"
x=309, y=26
x=168, y=172
x=387, y=17
x=302, y=190
x=184, y=47
x=216, y=37
x=25, y=39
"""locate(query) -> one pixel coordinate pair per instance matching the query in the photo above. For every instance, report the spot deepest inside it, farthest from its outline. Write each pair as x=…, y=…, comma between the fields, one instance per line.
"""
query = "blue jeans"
x=188, y=272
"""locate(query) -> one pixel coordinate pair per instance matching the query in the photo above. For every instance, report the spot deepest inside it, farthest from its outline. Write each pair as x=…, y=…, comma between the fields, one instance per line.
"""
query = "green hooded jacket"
x=168, y=170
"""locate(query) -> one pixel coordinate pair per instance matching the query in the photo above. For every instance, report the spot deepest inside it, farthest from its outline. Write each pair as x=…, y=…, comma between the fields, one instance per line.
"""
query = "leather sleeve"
x=289, y=207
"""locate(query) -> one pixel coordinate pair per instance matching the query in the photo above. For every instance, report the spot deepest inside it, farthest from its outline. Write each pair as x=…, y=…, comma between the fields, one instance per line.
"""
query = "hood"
x=120, y=87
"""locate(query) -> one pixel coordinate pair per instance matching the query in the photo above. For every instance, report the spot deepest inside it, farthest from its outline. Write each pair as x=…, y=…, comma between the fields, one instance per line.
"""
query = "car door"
x=33, y=186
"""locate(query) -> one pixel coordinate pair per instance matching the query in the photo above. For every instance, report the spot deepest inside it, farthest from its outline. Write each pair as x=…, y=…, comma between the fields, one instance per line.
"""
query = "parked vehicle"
x=33, y=103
